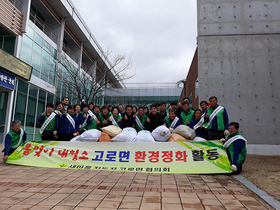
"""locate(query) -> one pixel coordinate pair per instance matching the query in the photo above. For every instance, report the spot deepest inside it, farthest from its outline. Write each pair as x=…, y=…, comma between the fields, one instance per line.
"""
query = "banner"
x=156, y=157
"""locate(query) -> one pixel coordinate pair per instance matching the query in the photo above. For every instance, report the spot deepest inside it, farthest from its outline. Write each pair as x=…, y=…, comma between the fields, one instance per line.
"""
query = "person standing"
x=58, y=108
x=203, y=106
x=162, y=109
x=65, y=103
x=154, y=119
x=218, y=120
x=235, y=147
x=69, y=125
x=187, y=113
x=14, y=138
x=120, y=106
x=127, y=117
x=139, y=120
x=49, y=122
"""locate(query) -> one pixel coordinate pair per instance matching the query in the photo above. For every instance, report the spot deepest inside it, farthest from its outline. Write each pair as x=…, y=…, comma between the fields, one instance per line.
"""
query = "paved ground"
x=23, y=187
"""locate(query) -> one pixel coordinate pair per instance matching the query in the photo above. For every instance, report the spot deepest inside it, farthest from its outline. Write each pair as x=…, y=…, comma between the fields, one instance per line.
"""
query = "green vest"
x=142, y=120
x=102, y=119
x=51, y=125
x=15, y=138
x=220, y=118
x=243, y=152
x=81, y=128
x=187, y=116
x=93, y=125
x=168, y=121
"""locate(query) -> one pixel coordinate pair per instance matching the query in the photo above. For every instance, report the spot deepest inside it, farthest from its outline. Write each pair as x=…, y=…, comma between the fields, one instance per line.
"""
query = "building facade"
x=143, y=94
x=38, y=35
x=238, y=61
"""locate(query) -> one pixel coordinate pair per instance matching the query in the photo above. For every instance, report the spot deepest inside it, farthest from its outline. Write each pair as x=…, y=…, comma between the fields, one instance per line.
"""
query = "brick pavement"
x=23, y=187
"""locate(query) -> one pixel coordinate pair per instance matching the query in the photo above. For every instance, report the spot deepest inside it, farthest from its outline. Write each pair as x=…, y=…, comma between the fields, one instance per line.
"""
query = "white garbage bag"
x=144, y=136
x=127, y=135
x=91, y=135
x=161, y=133
x=197, y=138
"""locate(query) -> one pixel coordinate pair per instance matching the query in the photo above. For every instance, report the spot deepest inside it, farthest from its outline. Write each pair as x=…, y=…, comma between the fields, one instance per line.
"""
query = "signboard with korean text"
x=7, y=80
x=15, y=65
x=159, y=157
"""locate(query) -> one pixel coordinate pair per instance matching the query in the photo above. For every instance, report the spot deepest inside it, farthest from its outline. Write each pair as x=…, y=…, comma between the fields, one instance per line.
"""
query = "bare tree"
x=89, y=82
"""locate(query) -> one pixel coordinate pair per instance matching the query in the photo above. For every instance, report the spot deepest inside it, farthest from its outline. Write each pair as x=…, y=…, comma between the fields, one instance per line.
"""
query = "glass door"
x=3, y=111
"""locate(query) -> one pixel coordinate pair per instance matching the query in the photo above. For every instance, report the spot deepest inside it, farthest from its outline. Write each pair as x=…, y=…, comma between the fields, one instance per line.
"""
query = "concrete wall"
x=238, y=61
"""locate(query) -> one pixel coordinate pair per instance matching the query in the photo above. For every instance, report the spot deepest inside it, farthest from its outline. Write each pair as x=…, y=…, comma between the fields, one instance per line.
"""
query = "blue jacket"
x=8, y=140
x=203, y=133
x=81, y=119
x=66, y=127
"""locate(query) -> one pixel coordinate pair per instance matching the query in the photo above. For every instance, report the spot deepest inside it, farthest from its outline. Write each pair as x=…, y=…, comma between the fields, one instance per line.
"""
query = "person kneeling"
x=235, y=147
x=13, y=139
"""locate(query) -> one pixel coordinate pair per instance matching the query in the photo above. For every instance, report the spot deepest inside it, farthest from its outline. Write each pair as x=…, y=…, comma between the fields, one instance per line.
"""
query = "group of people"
x=63, y=121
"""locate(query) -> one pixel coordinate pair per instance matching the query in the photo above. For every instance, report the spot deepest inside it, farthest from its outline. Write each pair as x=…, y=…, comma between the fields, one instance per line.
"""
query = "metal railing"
x=40, y=24
x=70, y=53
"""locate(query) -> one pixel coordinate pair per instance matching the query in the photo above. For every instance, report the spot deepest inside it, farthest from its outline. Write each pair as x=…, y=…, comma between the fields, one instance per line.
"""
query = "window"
x=36, y=57
x=26, y=51
x=20, y=107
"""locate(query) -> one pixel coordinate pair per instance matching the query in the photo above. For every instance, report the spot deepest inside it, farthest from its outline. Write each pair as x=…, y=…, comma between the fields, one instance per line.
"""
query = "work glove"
x=226, y=132
x=223, y=140
x=55, y=134
x=233, y=168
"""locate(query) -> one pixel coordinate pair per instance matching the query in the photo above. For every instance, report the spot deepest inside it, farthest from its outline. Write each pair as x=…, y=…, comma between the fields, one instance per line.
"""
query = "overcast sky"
x=158, y=35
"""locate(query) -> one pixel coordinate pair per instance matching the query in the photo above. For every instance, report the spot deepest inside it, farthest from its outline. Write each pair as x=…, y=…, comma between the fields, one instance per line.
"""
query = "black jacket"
x=128, y=122
x=155, y=121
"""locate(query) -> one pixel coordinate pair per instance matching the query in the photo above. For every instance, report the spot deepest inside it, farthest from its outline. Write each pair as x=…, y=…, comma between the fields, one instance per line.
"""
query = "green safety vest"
x=142, y=120
x=220, y=118
x=242, y=155
x=93, y=125
x=51, y=125
x=102, y=119
x=16, y=140
x=187, y=116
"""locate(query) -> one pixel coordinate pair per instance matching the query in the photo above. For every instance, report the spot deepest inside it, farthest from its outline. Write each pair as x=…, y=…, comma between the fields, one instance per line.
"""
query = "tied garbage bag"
x=88, y=136
x=112, y=130
x=127, y=135
x=161, y=133
x=177, y=137
x=197, y=138
x=185, y=131
x=144, y=136
x=105, y=137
